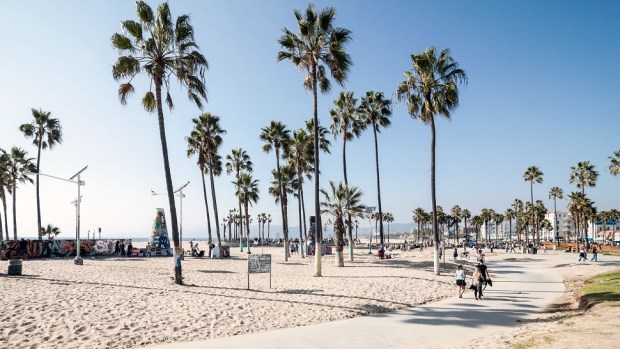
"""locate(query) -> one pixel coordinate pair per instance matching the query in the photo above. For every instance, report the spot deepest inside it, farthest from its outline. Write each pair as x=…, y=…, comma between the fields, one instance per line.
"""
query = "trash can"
x=15, y=266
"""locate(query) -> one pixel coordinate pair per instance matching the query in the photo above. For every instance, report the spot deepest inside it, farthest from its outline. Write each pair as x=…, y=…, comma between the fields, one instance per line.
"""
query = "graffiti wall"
x=26, y=249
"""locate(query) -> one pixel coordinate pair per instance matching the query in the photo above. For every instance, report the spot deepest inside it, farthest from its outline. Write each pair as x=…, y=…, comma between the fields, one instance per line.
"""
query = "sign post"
x=257, y=264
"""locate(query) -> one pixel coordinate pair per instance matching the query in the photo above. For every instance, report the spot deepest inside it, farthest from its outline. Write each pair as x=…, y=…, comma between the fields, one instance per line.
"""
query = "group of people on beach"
x=479, y=279
x=119, y=249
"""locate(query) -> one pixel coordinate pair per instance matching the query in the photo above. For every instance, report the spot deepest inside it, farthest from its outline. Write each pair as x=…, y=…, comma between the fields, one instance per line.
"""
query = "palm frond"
x=148, y=102
x=124, y=92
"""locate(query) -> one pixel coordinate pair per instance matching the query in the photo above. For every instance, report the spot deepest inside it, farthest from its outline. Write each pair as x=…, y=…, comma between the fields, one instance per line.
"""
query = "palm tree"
x=556, y=193
x=457, y=214
x=517, y=205
x=20, y=166
x=585, y=176
x=237, y=161
x=346, y=124
x=477, y=221
x=247, y=193
x=389, y=218
x=299, y=156
x=487, y=215
x=375, y=111
x=284, y=183
x=46, y=132
x=532, y=174
x=168, y=49
x=466, y=215
x=50, y=231
x=429, y=90
x=277, y=136
x=509, y=214
x=615, y=215
x=319, y=44
x=339, y=201
x=498, y=218
x=4, y=188
x=419, y=217
x=614, y=163
x=205, y=140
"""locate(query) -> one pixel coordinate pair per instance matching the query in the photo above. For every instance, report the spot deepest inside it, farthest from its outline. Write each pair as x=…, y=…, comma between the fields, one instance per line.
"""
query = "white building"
x=564, y=224
x=611, y=234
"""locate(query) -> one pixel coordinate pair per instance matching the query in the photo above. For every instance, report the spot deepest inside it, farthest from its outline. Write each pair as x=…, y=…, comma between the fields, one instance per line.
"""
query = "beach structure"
x=159, y=240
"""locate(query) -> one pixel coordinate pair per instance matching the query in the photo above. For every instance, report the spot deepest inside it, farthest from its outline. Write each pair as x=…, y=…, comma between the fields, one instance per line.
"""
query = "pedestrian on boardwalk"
x=455, y=253
x=460, y=280
x=555, y=248
x=476, y=281
x=512, y=247
x=583, y=256
x=545, y=248
x=594, y=254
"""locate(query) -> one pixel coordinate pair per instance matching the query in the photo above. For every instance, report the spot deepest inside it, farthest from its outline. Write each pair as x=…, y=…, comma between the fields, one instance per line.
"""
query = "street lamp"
x=368, y=211
x=180, y=194
x=78, y=260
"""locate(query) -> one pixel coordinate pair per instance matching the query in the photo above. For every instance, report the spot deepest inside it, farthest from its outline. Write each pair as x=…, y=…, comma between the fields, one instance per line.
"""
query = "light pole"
x=356, y=224
x=180, y=194
x=78, y=260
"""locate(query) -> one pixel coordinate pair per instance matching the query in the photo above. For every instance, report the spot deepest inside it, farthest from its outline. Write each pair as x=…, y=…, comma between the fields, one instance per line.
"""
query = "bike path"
x=521, y=290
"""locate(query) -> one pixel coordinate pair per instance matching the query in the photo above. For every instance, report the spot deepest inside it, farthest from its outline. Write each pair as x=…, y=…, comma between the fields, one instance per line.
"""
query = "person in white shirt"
x=460, y=280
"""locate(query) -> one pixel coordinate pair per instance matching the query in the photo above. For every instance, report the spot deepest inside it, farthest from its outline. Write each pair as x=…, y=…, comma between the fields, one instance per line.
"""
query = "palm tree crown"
x=20, y=167
x=46, y=132
x=584, y=174
x=614, y=163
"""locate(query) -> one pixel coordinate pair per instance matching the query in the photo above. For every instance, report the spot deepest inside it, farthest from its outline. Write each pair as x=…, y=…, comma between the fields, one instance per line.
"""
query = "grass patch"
x=602, y=288
x=611, y=253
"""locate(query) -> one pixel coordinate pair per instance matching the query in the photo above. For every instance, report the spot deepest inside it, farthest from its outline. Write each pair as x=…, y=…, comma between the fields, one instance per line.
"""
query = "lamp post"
x=78, y=260
x=356, y=224
x=179, y=193
x=368, y=211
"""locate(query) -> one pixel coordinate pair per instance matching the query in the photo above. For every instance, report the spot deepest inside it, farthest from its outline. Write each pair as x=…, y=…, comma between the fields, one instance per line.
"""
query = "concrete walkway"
x=521, y=290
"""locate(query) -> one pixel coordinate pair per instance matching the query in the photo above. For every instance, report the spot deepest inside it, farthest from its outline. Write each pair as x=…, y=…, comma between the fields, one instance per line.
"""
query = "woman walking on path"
x=476, y=280
x=460, y=280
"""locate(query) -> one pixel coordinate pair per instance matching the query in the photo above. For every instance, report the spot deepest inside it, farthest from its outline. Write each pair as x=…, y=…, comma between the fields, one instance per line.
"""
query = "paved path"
x=521, y=289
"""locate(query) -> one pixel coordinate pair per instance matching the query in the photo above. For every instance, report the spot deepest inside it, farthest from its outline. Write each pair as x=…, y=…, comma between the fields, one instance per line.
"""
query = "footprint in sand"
x=80, y=329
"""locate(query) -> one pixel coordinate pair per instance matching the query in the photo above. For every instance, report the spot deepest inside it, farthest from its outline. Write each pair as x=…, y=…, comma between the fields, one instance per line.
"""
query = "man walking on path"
x=594, y=254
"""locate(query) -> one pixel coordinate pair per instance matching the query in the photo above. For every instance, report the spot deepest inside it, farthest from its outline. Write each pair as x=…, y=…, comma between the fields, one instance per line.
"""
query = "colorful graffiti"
x=27, y=249
x=159, y=232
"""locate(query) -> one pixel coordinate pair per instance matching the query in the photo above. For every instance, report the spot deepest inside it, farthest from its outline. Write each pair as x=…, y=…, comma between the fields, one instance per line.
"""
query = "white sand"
x=131, y=302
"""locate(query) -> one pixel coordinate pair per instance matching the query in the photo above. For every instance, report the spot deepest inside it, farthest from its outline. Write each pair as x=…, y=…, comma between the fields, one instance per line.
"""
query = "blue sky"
x=540, y=92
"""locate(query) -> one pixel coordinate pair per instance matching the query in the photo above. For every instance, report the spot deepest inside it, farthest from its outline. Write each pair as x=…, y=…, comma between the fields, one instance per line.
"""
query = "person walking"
x=583, y=256
x=555, y=248
x=484, y=274
x=455, y=253
x=594, y=254
x=460, y=280
x=476, y=281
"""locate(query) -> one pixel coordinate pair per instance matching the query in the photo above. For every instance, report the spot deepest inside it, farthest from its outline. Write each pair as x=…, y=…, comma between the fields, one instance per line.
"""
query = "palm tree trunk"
x=346, y=183
x=217, y=224
x=247, y=224
x=282, y=204
x=299, y=198
x=317, y=205
x=339, y=234
x=178, y=275
x=532, y=200
x=6, y=223
x=434, y=200
x=241, y=216
x=14, y=195
x=37, y=185
x=374, y=128
x=303, y=212
x=204, y=193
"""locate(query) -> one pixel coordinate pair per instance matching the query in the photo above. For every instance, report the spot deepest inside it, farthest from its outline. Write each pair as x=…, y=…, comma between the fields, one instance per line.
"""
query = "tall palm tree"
x=46, y=132
x=517, y=205
x=556, y=193
x=20, y=166
x=346, y=124
x=247, y=192
x=339, y=201
x=532, y=174
x=498, y=218
x=276, y=136
x=431, y=89
x=419, y=217
x=237, y=161
x=477, y=221
x=509, y=214
x=50, y=231
x=466, y=215
x=389, y=218
x=320, y=44
x=614, y=163
x=375, y=111
x=487, y=215
x=160, y=48
x=299, y=156
x=284, y=183
x=584, y=175
x=205, y=140
x=4, y=188
x=457, y=214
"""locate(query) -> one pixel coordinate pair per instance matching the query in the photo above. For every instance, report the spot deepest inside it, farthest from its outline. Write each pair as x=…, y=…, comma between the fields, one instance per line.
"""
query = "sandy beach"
x=133, y=302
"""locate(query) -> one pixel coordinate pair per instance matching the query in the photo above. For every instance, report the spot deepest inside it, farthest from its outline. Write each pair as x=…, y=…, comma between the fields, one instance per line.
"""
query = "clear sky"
x=541, y=92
